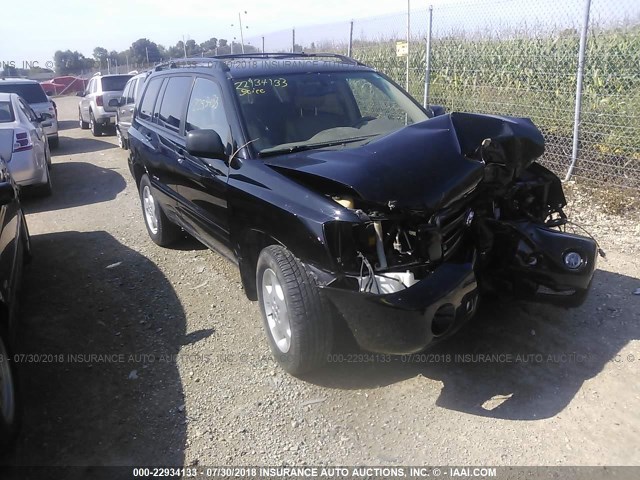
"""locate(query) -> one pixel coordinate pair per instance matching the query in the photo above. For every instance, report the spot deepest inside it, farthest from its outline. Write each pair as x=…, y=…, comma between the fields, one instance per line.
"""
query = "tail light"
x=21, y=141
x=99, y=100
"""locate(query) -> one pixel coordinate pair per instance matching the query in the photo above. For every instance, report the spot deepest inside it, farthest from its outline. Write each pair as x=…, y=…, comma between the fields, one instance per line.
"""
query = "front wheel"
x=121, y=141
x=297, y=320
x=159, y=227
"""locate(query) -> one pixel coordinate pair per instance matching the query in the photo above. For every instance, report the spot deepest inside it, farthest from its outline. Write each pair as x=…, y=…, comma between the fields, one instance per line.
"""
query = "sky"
x=114, y=25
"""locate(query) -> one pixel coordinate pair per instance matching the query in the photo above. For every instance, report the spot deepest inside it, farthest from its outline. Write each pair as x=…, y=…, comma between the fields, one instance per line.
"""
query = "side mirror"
x=437, y=110
x=114, y=102
x=7, y=193
x=205, y=144
x=80, y=94
x=45, y=116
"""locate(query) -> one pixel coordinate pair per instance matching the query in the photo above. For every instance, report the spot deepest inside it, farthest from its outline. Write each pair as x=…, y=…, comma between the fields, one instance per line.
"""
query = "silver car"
x=94, y=111
x=23, y=143
x=33, y=93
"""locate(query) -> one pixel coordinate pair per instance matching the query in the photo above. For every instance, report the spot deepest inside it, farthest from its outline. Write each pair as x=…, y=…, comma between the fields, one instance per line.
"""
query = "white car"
x=33, y=93
x=23, y=143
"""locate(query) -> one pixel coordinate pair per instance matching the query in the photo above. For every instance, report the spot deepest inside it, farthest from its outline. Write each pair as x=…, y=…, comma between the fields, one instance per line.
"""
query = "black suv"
x=340, y=198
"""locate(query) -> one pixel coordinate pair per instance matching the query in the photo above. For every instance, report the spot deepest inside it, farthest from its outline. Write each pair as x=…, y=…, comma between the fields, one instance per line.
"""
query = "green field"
x=536, y=77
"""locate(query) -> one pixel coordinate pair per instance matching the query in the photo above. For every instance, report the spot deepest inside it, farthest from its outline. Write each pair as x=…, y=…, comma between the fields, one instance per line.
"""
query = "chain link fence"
x=509, y=57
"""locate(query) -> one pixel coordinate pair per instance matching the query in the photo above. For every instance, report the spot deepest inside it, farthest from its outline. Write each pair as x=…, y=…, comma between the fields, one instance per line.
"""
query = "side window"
x=149, y=100
x=173, y=102
x=206, y=110
x=138, y=89
x=26, y=109
x=125, y=92
x=133, y=85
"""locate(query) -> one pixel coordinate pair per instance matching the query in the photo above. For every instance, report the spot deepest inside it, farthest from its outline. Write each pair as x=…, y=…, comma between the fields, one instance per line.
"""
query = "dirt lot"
x=185, y=375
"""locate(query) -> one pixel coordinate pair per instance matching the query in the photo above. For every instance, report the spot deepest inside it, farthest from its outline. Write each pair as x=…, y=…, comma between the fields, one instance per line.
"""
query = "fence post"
x=350, y=51
x=427, y=54
x=408, y=40
x=580, y=75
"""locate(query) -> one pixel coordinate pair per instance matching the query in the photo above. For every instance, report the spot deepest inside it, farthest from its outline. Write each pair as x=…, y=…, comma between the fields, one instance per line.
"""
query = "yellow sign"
x=402, y=49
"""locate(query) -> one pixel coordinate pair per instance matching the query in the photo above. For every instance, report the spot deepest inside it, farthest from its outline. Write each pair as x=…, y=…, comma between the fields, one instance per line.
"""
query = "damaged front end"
x=474, y=215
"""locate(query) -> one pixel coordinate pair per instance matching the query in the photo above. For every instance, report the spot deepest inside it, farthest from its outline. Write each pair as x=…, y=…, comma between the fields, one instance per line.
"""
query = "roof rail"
x=97, y=74
x=280, y=55
x=189, y=63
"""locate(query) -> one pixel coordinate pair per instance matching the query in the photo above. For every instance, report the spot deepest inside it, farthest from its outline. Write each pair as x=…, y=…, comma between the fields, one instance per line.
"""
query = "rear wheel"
x=54, y=142
x=96, y=130
x=46, y=189
x=83, y=125
x=9, y=409
x=159, y=227
x=297, y=320
x=122, y=143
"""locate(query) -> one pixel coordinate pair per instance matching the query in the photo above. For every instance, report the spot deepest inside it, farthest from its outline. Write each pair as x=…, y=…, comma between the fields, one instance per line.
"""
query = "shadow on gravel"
x=71, y=145
x=515, y=360
x=76, y=184
x=99, y=378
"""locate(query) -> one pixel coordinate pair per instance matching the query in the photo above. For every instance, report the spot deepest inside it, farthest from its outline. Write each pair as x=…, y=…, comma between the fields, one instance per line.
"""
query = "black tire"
x=122, y=143
x=96, y=130
x=46, y=189
x=11, y=417
x=54, y=142
x=165, y=232
x=83, y=125
x=310, y=318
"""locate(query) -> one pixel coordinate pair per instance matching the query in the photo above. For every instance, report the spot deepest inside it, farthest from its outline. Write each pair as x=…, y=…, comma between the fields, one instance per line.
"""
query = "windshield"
x=30, y=92
x=307, y=110
x=115, y=83
x=6, y=112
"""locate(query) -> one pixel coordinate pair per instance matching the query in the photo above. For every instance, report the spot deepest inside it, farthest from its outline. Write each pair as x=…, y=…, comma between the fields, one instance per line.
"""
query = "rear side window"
x=149, y=100
x=206, y=110
x=6, y=112
x=31, y=92
x=130, y=91
x=115, y=83
x=173, y=102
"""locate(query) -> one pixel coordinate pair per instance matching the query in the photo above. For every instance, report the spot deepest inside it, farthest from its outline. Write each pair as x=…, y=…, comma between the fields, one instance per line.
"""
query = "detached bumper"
x=409, y=320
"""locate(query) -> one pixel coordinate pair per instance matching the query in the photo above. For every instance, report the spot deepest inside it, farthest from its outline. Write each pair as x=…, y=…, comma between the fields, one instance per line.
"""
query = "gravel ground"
x=186, y=376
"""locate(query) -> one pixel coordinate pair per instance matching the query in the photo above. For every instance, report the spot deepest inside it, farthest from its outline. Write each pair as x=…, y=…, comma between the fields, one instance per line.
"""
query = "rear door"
x=125, y=111
x=159, y=124
x=204, y=181
x=86, y=100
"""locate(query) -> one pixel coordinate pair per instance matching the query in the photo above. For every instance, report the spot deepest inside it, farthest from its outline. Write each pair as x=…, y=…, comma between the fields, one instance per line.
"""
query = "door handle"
x=180, y=160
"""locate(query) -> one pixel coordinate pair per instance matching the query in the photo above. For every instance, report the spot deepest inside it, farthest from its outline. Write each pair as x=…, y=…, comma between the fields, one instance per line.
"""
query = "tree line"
x=142, y=52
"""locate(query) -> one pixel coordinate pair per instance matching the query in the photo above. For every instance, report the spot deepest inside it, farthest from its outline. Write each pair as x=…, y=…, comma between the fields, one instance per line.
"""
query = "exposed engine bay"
x=508, y=224
x=429, y=218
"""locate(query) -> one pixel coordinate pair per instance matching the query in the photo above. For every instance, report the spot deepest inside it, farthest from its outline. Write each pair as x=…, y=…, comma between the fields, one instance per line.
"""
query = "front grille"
x=452, y=226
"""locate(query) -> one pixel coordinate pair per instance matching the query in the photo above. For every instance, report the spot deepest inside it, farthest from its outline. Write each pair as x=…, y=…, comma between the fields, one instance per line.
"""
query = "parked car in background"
x=94, y=111
x=125, y=105
x=23, y=143
x=33, y=93
x=341, y=198
x=15, y=249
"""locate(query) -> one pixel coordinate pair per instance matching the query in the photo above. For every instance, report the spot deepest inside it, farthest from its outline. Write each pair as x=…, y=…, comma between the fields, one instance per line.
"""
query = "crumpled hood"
x=422, y=166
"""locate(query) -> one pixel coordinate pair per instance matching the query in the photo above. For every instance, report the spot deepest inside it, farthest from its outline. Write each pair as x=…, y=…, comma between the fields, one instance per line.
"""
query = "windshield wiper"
x=312, y=146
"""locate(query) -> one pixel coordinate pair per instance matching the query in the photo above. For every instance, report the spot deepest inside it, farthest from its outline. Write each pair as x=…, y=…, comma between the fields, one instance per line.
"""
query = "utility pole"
x=147, y=50
x=263, y=44
x=241, y=33
x=184, y=46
